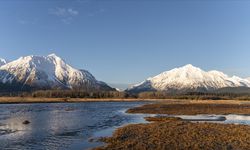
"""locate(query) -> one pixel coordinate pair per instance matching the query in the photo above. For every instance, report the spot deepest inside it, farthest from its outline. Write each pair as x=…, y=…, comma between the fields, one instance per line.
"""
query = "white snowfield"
x=190, y=77
x=46, y=71
x=53, y=72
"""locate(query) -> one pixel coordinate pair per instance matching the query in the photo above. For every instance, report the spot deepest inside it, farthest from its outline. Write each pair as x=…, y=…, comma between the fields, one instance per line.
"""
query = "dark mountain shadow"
x=14, y=86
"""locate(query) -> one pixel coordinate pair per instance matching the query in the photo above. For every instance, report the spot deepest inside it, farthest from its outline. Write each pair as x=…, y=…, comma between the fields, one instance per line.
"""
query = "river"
x=59, y=126
x=63, y=126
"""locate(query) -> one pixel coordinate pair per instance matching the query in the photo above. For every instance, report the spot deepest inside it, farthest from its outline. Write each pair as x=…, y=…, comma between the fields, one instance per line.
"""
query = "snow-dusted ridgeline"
x=52, y=72
x=48, y=72
x=189, y=78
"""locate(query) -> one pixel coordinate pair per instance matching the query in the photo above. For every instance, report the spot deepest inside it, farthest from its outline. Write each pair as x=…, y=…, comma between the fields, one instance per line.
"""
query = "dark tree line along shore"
x=126, y=95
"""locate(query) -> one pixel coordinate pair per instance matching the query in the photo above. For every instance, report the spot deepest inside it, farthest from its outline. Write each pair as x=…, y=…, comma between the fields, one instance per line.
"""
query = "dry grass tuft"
x=162, y=119
x=175, y=134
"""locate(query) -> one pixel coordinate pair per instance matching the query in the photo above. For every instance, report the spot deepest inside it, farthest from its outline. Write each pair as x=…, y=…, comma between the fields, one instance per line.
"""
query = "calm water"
x=70, y=125
x=229, y=119
x=61, y=126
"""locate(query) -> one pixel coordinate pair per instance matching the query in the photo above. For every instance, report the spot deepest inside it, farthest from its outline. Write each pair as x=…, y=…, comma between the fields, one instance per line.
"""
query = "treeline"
x=194, y=96
x=79, y=94
x=68, y=94
x=126, y=95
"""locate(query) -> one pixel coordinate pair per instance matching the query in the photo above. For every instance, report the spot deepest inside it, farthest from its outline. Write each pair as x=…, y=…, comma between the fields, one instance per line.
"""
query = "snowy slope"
x=248, y=78
x=48, y=72
x=190, y=77
x=2, y=61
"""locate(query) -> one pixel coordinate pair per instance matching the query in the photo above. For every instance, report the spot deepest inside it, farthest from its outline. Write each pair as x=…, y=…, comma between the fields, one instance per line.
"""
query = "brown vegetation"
x=79, y=94
x=162, y=119
x=125, y=94
x=176, y=134
x=192, y=108
x=9, y=100
x=195, y=95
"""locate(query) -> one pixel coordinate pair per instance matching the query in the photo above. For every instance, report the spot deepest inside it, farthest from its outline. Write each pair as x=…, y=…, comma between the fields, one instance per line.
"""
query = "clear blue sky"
x=126, y=41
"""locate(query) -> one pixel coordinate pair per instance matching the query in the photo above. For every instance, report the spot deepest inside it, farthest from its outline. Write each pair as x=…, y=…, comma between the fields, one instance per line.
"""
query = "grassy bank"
x=15, y=100
x=192, y=109
x=9, y=100
x=176, y=134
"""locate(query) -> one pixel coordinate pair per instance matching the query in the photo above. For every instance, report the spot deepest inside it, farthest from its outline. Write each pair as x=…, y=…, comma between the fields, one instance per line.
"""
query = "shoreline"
x=176, y=133
x=167, y=132
x=195, y=108
x=24, y=100
x=27, y=100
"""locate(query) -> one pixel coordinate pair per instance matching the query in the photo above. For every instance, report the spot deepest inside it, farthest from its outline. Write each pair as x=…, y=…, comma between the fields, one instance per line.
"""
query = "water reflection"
x=238, y=119
x=69, y=126
x=59, y=126
x=231, y=118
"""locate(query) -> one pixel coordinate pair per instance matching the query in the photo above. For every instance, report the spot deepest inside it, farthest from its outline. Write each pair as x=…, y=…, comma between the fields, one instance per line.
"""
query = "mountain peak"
x=52, y=55
x=189, y=66
x=191, y=78
x=55, y=57
x=48, y=72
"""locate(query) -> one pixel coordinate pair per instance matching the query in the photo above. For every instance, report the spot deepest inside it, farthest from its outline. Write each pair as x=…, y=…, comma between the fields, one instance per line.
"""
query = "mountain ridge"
x=48, y=72
x=52, y=72
x=189, y=78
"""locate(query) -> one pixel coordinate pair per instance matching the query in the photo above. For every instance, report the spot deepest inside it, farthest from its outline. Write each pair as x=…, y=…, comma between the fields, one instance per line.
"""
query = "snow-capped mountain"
x=189, y=78
x=248, y=79
x=2, y=61
x=48, y=72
